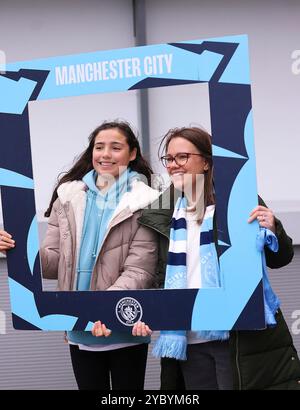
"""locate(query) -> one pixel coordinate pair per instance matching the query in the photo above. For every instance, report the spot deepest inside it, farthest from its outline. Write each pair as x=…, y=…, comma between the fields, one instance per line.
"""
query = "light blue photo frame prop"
x=222, y=63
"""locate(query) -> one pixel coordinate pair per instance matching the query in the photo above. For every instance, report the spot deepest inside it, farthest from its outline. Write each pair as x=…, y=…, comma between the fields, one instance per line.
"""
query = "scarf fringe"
x=172, y=346
x=213, y=334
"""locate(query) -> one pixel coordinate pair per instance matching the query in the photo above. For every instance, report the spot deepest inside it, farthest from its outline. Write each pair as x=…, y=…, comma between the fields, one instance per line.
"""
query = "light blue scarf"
x=267, y=238
x=173, y=344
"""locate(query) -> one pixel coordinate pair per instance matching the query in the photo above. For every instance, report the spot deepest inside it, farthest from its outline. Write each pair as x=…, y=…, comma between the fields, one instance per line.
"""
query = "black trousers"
x=120, y=369
x=208, y=367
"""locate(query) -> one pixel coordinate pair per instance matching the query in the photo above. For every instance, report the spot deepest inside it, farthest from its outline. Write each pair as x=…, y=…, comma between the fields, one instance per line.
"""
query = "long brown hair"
x=84, y=163
x=202, y=141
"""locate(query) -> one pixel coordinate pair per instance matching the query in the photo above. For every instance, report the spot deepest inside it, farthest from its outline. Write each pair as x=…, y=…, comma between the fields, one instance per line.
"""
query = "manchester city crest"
x=129, y=311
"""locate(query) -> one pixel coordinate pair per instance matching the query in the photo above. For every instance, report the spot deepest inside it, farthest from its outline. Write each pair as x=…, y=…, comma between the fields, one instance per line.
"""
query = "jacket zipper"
x=237, y=362
x=65, y=207
x=76, y=266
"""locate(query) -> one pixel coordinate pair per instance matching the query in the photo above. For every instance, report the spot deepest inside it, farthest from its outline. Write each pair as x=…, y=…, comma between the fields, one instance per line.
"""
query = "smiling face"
x=185, y=177
x=111, y=152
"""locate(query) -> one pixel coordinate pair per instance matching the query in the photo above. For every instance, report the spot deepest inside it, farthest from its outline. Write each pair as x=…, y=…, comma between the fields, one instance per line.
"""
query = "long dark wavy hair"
x=84, y=163
x=202, y=141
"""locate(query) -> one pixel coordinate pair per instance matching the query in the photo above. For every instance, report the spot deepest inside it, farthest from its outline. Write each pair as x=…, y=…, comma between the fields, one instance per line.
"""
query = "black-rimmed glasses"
x=180, y=159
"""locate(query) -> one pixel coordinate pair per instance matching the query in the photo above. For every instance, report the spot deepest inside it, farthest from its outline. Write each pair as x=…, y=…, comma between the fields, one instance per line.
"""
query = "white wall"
x=176, y=106
x=31, y=29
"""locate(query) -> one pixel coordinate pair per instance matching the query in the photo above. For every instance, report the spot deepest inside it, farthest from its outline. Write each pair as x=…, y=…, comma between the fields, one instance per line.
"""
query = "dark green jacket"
x=264, y=359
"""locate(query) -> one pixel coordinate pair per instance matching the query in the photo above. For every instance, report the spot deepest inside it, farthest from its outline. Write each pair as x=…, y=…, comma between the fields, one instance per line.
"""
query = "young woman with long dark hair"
x=94, y=242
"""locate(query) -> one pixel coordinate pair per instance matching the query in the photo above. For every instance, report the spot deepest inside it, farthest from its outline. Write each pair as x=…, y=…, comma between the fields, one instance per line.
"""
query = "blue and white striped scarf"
x=173, y=343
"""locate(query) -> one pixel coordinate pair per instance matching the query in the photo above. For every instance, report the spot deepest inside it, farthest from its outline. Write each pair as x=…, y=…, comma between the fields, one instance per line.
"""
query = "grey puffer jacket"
x=128, y=256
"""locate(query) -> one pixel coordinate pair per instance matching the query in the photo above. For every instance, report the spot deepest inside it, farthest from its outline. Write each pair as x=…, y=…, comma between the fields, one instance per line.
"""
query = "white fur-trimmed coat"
x=128, y=257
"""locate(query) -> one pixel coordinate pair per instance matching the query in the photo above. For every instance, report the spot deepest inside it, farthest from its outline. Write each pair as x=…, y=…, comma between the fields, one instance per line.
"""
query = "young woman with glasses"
x=219, y=360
